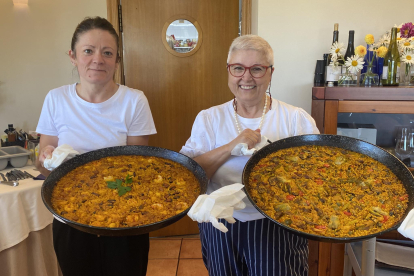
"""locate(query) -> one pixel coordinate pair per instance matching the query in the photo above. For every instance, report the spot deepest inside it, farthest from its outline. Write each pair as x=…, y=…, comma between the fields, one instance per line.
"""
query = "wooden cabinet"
x=328, y=259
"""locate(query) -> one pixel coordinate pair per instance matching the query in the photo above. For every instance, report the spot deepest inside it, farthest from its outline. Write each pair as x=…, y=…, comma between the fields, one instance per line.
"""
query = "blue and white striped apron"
x=254, y=248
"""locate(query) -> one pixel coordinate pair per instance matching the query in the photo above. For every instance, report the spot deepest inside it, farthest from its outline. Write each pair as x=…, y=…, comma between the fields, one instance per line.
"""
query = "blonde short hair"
x=252, y=42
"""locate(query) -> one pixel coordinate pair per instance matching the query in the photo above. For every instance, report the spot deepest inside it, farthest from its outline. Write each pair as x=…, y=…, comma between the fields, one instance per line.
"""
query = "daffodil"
x=369, y=39
x=337, y=49
x=381, y=51
x=408, y=58
x=361, y=51
x=354, y=63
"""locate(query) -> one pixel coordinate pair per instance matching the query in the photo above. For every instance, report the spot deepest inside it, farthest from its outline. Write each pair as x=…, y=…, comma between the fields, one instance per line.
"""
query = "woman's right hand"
x=248, y=136
x=46, y=152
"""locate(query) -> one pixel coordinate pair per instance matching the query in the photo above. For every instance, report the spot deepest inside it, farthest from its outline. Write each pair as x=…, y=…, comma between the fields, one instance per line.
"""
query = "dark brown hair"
x=91, y=23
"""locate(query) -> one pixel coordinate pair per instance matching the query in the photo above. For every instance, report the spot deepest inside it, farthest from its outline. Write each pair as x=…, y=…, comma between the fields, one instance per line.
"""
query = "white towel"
x=60, y=154
x=219, y=204
x=407, y=226
x=243, y=149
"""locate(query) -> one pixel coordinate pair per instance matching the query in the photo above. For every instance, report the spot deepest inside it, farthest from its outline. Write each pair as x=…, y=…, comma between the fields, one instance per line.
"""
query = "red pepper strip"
x=347, y=213
x=290, y=197
x=385, y=218
x=404, y=197
x=318, y=181
x=320, y=226
x=326, y=165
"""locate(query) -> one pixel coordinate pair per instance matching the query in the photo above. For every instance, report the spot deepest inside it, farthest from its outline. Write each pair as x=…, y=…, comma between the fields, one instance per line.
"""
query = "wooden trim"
x=246, y=24
x=112, y=16
x=382, y=93
x=318, y=112
x=389, y=107
x=318, y=92
x=164, y=35
x=324, y=259
x=313, y=257
x=337, y=259
x=331, y=117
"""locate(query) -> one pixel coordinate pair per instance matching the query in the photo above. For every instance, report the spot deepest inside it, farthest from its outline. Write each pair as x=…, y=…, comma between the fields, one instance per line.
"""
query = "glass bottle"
x=11, y=134
x=391, y=67
x=331, y=75
x=350, y=50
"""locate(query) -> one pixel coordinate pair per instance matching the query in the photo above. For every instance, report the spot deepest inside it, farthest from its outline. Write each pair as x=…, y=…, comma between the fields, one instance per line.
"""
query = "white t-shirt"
x=89, y=126
x=215, y=127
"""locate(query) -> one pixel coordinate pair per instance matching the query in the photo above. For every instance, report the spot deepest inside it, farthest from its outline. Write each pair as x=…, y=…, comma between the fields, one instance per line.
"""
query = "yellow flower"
x=369, y=39
x=361, y=50
x=381, y=51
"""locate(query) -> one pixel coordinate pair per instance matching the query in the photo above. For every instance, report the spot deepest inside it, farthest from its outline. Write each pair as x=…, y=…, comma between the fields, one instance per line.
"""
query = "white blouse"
x=216, y=127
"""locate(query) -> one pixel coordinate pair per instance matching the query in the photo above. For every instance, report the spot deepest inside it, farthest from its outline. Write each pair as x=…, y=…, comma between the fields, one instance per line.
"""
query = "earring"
x=235, y=104
x=270, y=95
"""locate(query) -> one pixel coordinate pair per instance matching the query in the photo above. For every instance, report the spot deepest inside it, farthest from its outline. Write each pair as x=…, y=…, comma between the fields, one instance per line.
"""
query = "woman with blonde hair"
x=253, y=245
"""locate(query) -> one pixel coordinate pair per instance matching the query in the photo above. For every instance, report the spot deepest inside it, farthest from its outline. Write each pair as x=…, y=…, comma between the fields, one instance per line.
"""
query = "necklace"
x=261, y=119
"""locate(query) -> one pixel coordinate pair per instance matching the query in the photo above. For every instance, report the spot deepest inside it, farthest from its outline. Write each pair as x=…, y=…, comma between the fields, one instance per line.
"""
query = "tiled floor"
x=176, y=256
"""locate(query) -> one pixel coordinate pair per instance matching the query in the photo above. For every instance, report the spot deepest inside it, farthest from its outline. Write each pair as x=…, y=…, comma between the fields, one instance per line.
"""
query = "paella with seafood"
x=125, y=191
x=328, y=191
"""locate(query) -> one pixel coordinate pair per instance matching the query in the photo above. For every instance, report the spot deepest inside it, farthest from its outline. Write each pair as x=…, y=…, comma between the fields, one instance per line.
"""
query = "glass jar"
x=347, y=79
x=406, y=74
x=369, y=78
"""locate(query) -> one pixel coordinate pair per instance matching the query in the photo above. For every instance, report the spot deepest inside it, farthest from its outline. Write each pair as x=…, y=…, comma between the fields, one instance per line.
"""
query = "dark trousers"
x=83, y=254
x=255, y=248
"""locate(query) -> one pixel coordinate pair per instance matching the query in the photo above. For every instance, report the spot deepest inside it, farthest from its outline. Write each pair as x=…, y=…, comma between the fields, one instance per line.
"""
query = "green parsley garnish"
x=118, y=185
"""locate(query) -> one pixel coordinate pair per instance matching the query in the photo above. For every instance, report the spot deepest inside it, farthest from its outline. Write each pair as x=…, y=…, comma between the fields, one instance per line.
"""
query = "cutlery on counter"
x=10, y=183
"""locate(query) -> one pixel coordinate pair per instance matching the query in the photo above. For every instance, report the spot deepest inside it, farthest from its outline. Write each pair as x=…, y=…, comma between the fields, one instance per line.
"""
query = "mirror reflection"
x=182, y=36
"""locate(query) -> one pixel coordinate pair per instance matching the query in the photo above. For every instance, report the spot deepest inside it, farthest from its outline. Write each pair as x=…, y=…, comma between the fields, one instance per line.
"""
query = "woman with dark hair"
x=92, y=114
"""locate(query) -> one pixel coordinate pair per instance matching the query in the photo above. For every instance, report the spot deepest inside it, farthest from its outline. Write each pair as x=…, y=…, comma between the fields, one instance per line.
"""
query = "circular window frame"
x=164, y=35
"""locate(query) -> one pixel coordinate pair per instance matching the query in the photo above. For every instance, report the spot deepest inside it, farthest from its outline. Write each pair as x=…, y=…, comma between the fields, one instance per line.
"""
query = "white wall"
x=33, y=44
x=300, y=32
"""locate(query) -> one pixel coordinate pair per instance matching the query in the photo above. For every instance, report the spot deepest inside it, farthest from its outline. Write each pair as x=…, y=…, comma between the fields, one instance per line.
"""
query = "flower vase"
x=370, y=58
x=347, y=79
x=369, y=78
x=406, y=75
x=380, y=65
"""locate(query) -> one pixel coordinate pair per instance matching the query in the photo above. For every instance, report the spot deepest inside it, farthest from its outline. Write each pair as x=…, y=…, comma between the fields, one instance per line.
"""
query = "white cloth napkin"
x=407, y=226
x=219, y=204
x=243, y=149
x=60, y=154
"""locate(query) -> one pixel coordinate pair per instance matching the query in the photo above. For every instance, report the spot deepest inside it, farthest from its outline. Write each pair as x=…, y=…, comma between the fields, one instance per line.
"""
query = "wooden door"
x=178, y=88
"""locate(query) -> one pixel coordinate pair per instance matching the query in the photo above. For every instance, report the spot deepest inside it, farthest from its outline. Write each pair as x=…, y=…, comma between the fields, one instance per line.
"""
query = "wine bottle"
x=331, y=75
x=350, y=51
x=391, y=67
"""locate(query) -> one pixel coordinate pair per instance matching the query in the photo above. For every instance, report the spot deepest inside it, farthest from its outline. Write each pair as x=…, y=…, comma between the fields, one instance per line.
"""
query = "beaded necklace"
x=261, y=119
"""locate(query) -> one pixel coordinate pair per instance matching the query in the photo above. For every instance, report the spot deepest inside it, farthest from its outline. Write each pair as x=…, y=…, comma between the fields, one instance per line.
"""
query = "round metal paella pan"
x=352, y=144
x=82, y=159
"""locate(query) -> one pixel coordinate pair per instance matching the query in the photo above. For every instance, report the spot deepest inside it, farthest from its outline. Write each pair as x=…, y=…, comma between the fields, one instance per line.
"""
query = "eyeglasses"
x=256, y=71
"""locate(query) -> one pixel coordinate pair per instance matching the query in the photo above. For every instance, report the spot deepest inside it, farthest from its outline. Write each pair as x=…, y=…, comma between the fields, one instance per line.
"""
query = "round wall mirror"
x=182, y=36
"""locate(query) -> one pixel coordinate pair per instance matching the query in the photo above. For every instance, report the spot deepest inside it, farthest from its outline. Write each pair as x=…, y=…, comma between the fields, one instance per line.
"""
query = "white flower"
x=407, y=44
x=354, y=64
x=372, y=47
x=337, y=49
x=335, y=64
x=385, y=39
x=399, y=26
x=408, y=58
